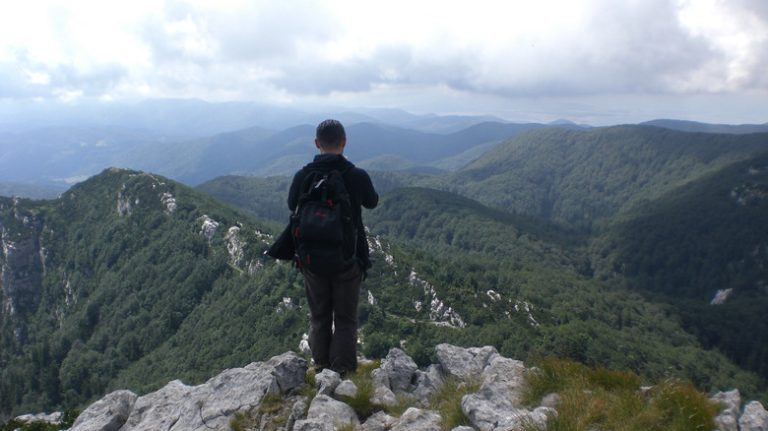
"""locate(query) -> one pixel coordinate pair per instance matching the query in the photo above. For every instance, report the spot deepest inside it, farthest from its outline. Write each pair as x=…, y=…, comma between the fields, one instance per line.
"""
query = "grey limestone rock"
x=463, y=428
x=382, y=394
x=506, y=376
x=464, y=363
x=326, y=409
x=728, y=419
x=327, y=381
x=106, y=414
x=50, y=418
x=297, y=412
x=489, y=410
x=754, y=418
x=159, y=409
x=380, y=377
x=313, y=425
x=496, y=406
x=211, y=405
x=289, y=369
x=427, y=382
x=399, y=368
x=346, y=389
x=415, y=419
x=379, y=421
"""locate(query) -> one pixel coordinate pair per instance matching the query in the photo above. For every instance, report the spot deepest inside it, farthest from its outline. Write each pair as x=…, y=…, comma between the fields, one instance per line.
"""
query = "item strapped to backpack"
x=322, y=226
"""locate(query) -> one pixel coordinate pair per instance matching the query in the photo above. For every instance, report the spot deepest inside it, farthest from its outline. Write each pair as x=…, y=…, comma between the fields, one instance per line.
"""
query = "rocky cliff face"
x=22, y=261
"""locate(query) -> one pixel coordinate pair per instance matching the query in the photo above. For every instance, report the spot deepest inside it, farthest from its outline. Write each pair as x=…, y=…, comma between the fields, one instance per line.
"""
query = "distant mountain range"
x=65, y=155
x=55, y=146
x=693, y=126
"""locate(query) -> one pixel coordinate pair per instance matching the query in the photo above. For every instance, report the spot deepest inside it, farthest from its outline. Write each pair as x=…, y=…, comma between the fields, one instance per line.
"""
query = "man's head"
x=330, y=137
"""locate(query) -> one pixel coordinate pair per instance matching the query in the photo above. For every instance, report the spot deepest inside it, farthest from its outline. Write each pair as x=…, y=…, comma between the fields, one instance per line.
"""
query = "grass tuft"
x=271, y=403
x=447, y=401
x=606, y=399
x=361, y=402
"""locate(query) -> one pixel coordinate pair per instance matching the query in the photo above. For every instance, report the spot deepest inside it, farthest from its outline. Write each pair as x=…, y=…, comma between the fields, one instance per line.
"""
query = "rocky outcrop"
x=754, y=418
x=48, y=418
x=493, y=404
x=731, y=418
x=210, y=406
x=107, y=414
x=464, y=363
x=728, y=419
x=21, y=258
x=327, y=381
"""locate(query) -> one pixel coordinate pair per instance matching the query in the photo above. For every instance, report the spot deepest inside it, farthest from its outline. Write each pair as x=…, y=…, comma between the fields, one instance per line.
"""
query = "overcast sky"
x=596, y=61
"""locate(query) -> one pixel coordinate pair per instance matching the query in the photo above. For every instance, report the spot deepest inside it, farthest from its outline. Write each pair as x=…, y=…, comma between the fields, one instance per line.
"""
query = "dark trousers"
x=333, y=318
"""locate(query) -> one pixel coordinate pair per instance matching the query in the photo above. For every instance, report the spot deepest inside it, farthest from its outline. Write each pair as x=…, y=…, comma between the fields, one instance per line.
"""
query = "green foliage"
x=266, y=198
x=705, y=236
x=240, y=422
x=602, y=246
x=609, y=399
x=361, y=402
x=138, y=299
x=583, y=177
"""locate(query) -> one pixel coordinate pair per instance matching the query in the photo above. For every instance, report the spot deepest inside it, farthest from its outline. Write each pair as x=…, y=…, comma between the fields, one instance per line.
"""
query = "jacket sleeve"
x=368, y=195
x=293, y=193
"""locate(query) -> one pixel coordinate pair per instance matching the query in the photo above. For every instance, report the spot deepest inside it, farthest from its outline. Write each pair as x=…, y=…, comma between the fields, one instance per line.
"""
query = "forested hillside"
x=583, y=177
x=706, y=237
x=108, y=273
x=672, y=216
x=130, y=280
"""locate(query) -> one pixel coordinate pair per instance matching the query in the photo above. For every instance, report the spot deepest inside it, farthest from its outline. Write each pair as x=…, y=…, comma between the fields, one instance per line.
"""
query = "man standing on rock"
x=331, y=246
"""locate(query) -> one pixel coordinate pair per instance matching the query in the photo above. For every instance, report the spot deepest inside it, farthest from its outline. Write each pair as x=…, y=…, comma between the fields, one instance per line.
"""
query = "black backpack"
x=323, y=226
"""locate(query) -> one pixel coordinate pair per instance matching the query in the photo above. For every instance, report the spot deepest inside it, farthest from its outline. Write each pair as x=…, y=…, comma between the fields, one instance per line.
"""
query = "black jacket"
x=359, y=186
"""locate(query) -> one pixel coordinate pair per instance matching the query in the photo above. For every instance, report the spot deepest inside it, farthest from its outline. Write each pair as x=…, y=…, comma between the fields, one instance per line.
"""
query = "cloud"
x=266, y=50
x=24, y=78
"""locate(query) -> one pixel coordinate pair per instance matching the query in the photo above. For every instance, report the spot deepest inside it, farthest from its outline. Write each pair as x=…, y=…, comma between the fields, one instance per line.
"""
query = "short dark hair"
x=330, y=133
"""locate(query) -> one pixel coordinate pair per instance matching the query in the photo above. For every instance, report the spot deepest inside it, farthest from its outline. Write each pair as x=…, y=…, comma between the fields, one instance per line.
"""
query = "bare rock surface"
x=464, y=363
x=327, y=381
x=428, y=382
x=326, y=409
x=728, y=419
x=209, y=406
x=399, y=369
x=495, y=406
x=49, y=418
x=107, y=414
x=415, y=419
x=754, y=418
x=347, y=388
x=379, y=421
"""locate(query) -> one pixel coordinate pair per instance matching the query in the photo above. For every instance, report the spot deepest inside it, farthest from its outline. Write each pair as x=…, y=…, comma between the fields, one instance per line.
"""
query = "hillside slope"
x=521, y=284
x=130, y=279
x=583, y=177
x=705, y=238
x=101, y=277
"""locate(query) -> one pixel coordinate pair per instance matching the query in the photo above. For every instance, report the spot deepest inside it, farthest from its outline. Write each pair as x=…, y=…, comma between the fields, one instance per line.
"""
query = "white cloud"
x=298, y=50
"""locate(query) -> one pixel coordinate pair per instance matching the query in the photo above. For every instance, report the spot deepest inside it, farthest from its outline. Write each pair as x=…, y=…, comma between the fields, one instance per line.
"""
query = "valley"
x=602, y=245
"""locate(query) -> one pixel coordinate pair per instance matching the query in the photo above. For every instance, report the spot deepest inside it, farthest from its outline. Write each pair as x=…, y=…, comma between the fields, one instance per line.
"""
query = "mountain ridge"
x=146, y=279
